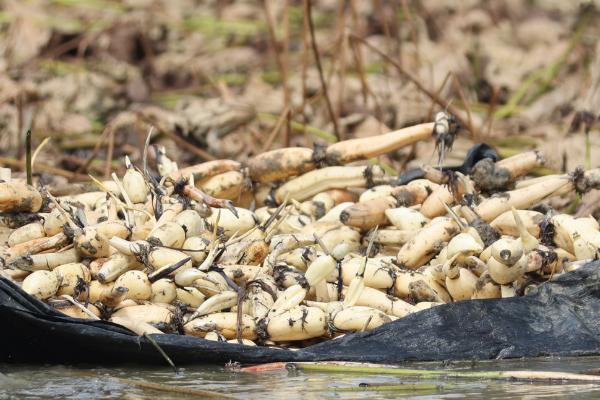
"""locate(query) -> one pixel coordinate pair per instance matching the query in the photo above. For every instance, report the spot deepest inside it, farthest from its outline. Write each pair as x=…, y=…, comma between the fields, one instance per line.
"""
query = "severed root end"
x=445, y=130
x=490, y=179
x=580, y=181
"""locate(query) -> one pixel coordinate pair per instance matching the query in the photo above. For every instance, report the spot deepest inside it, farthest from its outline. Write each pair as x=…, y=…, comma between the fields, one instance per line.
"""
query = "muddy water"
x=27, y=382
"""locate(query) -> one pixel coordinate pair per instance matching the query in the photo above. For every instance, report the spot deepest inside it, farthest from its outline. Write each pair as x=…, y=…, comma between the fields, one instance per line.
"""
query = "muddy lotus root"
x=313, y=249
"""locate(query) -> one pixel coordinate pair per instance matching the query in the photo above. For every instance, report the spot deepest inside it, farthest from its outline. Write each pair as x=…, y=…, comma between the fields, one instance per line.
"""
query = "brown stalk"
x=304, y=74
x=20, y=124
x=187, y=145
x=288, y=128
x=64, y=47
x=365, y=88
x=386, y=28
x=258, y=137
x=13, y=163
x=80, y=162
x=285, y=55
x=439, y=93
x=276, y=129
x=109, y=152
x=279, y=57
x=86, y=41
x=308, y=12
x=28, y=166
x=196, y=194
x=413, y=79
x=342, y=50
x=99, y=143
x=203, y=154
x=241, y=290
x=458, y=86
x=413, y=29
x=412, y=153
x=398, y=30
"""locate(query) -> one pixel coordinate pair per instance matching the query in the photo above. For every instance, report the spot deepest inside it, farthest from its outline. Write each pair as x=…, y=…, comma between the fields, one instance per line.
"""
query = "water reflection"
x=27, y=382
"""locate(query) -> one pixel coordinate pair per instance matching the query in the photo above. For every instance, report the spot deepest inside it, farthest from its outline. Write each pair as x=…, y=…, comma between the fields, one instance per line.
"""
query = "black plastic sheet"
x=561, y=317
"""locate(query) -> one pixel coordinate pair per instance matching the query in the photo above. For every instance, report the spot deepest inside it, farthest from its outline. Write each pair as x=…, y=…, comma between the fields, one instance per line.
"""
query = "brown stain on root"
x=489, y=178
x=486, y=232
x=279, y=164
x=15, y=197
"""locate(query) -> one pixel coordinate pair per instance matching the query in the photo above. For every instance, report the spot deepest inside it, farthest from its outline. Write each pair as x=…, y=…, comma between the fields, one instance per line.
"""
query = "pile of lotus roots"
x=295, y=246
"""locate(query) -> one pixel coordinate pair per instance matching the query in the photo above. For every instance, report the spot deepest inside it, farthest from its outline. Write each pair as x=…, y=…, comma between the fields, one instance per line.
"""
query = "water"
x=39, y=382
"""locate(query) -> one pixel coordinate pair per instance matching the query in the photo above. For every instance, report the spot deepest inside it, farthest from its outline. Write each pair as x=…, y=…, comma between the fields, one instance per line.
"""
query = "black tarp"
x=561, y=317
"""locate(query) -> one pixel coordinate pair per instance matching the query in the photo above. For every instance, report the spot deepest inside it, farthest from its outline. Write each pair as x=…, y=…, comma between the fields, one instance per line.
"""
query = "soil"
x=231, y=79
